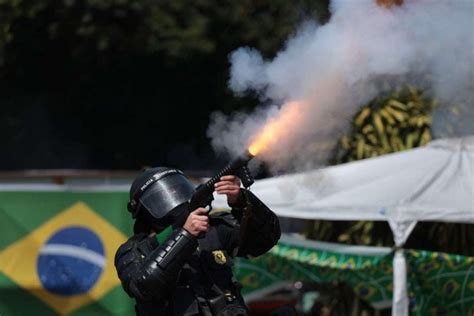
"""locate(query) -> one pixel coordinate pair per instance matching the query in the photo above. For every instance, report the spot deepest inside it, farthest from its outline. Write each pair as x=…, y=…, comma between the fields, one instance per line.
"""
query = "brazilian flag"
x=57, y=253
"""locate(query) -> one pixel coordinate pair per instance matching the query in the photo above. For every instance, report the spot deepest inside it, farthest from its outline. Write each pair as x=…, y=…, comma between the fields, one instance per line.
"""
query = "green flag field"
x=57, y=250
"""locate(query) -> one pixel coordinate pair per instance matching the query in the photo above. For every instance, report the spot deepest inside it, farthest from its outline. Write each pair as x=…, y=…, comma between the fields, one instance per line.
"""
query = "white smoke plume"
x=328, y=69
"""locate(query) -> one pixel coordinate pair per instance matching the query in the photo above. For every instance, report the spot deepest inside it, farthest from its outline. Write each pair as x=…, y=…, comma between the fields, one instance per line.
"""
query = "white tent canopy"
x=430, y=183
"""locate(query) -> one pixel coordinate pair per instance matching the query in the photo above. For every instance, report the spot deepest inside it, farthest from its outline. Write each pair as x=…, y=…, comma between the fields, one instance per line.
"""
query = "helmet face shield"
x=166, y=195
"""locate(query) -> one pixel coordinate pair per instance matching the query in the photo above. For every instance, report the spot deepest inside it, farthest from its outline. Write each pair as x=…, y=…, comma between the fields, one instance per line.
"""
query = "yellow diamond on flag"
x=68, y=261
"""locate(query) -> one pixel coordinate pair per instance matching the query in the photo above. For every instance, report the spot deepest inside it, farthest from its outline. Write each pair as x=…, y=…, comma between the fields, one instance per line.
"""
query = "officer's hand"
x=229, y=185
x=197, y=222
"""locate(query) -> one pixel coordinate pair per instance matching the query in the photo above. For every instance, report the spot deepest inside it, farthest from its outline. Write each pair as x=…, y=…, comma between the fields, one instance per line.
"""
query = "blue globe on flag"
x=71, y=261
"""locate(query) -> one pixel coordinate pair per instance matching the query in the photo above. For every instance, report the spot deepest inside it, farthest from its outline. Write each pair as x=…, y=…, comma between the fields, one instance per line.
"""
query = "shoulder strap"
x=247, y=213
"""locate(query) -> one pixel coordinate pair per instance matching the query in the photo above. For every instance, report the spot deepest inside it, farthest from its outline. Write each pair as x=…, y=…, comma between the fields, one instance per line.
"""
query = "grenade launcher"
x=203, y=197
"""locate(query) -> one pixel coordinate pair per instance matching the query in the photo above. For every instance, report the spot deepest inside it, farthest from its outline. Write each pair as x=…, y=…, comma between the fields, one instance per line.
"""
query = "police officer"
x=190, y=272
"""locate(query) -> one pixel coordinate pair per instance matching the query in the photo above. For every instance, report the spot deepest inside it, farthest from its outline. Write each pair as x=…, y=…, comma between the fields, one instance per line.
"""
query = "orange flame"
x=276, y=128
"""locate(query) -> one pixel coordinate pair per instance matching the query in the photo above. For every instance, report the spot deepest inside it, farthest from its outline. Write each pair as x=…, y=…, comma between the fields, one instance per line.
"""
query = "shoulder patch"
x=219, y=257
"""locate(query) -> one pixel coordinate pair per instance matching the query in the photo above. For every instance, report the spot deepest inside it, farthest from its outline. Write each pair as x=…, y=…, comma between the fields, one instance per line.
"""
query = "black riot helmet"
x=160, y=195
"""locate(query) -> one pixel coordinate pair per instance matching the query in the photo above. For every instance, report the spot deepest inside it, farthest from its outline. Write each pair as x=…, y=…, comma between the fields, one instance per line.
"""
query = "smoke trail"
x=329, y=70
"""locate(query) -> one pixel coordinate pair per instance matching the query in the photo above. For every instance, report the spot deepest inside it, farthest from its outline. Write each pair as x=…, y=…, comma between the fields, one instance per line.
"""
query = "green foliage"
x=399, y=121
x=176, y=28
x=86, y=26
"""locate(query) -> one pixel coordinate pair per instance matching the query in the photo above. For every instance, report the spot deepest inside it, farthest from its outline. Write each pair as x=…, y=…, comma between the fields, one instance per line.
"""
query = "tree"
x=84, y=81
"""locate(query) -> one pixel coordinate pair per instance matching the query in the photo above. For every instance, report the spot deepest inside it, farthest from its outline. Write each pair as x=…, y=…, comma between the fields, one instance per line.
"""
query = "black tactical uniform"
x=186, y=275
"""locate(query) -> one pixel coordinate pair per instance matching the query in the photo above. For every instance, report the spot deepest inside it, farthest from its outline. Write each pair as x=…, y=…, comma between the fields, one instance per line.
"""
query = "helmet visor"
x=167, y=194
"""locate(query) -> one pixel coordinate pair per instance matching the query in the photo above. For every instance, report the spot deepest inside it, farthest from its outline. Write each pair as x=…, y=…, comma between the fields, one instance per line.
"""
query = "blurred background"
x=92, y=91
x=125, y=84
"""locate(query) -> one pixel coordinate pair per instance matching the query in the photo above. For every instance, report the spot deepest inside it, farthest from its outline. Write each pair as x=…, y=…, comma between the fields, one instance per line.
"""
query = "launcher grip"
x=203, y=197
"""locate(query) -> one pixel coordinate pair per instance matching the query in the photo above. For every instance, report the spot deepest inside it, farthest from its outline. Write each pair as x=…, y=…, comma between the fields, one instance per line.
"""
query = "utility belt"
x=214, y=301
x=225, y=303
x=212, y=286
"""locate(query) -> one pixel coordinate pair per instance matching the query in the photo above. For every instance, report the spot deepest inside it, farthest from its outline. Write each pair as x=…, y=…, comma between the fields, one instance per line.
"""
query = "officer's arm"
x=260, y=228
x=147, y=277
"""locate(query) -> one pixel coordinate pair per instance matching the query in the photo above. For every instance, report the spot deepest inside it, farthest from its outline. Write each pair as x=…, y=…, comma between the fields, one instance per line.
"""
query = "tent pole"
x=400, y=295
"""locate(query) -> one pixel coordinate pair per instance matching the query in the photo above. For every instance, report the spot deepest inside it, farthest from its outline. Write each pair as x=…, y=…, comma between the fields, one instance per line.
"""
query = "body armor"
x=189, y=276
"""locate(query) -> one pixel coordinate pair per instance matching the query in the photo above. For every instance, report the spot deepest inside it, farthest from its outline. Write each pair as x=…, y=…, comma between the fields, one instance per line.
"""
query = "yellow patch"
x=219, y=256
x=19, y=260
